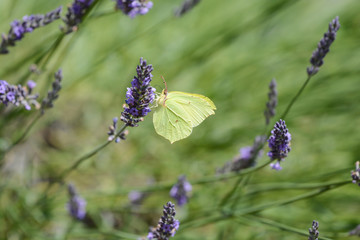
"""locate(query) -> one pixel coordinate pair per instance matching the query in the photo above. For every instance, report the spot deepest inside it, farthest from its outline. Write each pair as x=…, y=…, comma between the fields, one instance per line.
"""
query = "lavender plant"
x=75, y=14
x=27, y=25
x=272, y=103
x=180, y=191
x=279, y=144
x=132, y=8
x=76, y=205
x=313, y=231
x=167, y=225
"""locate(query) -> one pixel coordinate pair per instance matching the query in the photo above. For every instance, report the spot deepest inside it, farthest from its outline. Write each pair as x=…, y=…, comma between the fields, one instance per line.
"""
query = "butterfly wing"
x=170, y=124
x=193, y=107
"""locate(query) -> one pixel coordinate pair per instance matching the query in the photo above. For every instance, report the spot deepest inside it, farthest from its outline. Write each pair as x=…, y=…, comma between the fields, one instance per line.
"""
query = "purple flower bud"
x=28, y=24
x=272, y=103
x=167, y=225
x=76, y=205
x=139, y=96
x=317, y=58
x=356, y=174
x=180, y=191
x=132, y=8
x=75, y=14
x=279, y=144
x=31, y=84
x=54, y=93
x=313, y=231
x=186, y=6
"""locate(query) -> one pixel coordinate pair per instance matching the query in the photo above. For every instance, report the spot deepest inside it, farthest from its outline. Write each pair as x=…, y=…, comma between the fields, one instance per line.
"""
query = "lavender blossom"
x=323, y=48
x=246, y=158
x=75, y=14
x=180, y=191
x=28, y=24
x=279, y=144
x=132, y=8
x=356, y=174
x=272, y=103
x=167, y=225
x=313, y=231
x=355, y=231
x=186, y=7
x=18, y=95
x=139, y=96
x=76, y=205
x=113, y=134
x=54, y=94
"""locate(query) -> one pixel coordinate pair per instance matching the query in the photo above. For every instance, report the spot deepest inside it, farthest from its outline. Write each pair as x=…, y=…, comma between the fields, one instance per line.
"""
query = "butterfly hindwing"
x=178, y=112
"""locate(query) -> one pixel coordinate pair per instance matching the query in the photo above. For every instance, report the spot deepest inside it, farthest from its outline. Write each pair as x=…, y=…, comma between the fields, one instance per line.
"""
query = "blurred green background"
x=226, y=50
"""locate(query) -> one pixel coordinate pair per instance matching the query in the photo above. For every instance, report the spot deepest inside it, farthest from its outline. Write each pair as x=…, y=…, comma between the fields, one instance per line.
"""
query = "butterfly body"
x=178, y=113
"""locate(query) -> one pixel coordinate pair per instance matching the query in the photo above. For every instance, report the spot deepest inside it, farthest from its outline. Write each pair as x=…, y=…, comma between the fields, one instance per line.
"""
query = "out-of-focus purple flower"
x=132, y=8
x=28, y=24
x=356, y=174
x=113, y=134
x=167, y=225
x=313, y=231
x=31, y=84
x=246, y=158
x=279, y=144
x=317, y=58
x=186, y=6
x=272, y=103
x=181, y=190
x=355, y=231
x=75, y=14
x=139, y=96
x=76, y=205
x=48, y=102
x=17, y=95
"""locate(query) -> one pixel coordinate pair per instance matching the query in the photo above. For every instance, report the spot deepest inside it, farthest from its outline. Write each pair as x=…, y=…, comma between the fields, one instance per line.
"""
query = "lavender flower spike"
x=167, y=225
x=186, y=7
x=18, y=95
x=272, y=103
x=323, y=48
x=313, y=231
x=76, y=205
x=132, y=8
x=75, y=14
x=356, y=174
x=28, y=24
x=279, y=144
x=139, y=96
x=54, y=94
x=113, y=134
x=180, y=191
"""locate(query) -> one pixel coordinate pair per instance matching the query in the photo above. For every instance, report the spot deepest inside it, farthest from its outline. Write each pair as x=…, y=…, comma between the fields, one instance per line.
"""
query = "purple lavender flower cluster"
x=132, y=8
x=18, y=95
x=54, y=93
x=75, y=14
x=313, y=231
x=186, y=7
x=76, y=205
x=246, y=158
x=323, y=48
x=279, y=144
x=180, y=191
x=28, y=24
x=167, y=225
x=113, y=134
x=356, y=174
x=139, y=96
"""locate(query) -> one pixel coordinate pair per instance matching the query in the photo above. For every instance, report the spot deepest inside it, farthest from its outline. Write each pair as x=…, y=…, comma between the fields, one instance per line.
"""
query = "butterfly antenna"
x=166, y=90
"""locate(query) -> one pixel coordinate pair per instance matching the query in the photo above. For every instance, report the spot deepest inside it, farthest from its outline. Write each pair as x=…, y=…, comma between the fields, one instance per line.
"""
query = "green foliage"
x=226, y=50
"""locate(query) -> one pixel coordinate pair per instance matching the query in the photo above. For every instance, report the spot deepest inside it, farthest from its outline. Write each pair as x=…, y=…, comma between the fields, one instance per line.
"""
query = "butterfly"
x=177, y=113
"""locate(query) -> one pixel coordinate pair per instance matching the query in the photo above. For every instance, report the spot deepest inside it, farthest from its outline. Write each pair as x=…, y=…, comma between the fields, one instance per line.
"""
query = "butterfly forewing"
x=194, y=107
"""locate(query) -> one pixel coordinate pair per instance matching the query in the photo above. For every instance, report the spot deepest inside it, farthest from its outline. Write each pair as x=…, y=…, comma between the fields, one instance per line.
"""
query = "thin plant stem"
x=253, y=210
x=295, y=98
x=277, y=225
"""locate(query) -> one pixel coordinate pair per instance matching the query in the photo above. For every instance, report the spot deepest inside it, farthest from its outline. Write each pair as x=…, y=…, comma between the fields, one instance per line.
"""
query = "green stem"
x=295, y=98
x=89, y=155
x=278, y=225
